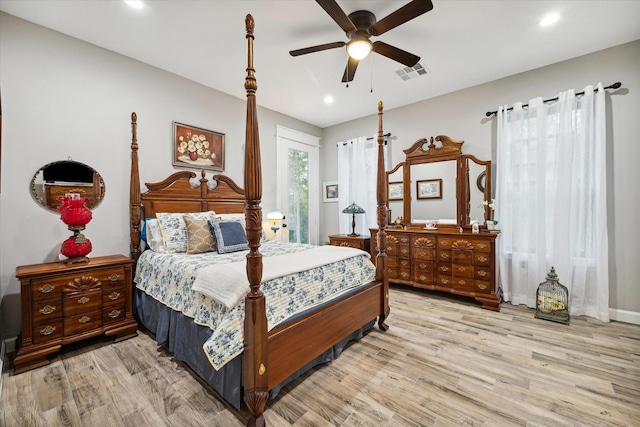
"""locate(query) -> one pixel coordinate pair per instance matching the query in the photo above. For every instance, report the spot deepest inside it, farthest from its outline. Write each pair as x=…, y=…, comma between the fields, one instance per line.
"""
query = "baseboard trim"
x=624, y=316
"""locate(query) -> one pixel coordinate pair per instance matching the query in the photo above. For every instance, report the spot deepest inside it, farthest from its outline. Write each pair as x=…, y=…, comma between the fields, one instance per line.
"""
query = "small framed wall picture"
x=330, y=191
x=396, y=191
x=429, y=189
x=197, y=147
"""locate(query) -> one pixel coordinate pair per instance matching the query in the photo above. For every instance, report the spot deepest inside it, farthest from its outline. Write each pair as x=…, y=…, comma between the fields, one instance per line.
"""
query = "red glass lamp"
x=75, y=213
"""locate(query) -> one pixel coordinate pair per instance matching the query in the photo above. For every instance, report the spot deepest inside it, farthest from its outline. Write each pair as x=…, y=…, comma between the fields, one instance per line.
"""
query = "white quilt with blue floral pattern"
x=168, y=279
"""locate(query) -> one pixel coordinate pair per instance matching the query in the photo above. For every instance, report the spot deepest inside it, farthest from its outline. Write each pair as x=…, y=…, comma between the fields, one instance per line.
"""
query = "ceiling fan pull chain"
x=371, y=73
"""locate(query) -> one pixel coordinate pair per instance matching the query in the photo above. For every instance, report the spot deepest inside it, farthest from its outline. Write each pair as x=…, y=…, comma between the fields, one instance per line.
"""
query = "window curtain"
x=551, y=200
x=357, y=165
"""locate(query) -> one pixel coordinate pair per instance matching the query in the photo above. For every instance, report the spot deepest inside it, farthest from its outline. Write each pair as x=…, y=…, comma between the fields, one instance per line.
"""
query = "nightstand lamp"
x=353, y=209
x=274, y=216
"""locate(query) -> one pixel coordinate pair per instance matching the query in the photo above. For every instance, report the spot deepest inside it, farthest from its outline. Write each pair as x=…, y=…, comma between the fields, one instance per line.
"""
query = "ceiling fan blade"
x=406, y=13
x=397, y=54
x=350, y=70
x=318, y=48
x=338, y=15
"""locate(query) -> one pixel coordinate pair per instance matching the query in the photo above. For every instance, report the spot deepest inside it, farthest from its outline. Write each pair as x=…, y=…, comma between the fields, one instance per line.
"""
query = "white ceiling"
x=461, y=43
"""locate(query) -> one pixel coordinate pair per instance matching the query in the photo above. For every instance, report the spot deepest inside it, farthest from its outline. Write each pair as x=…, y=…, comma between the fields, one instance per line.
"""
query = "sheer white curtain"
x=551, y=200
x=357, y=163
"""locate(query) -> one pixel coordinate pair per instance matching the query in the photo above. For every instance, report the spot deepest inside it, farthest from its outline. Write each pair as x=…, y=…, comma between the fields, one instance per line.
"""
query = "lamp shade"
x=275, y=215
x=353, y=209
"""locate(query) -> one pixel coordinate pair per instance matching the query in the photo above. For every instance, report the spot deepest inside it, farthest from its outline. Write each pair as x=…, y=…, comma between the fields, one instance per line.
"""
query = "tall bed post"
x=134, y=192
x=381, y=195
x=254, y=362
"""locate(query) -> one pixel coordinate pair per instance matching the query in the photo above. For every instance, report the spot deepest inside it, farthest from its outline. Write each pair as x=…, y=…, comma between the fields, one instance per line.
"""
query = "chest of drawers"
x=358, y=242
x=64, y=303
x=444, y=260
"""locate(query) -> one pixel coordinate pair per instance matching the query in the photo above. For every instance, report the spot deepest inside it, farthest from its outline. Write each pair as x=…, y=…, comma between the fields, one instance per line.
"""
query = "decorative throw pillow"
x=229, y=235
x=199, y=237
x=154, y=236
x=174, y=229
x=242, y=219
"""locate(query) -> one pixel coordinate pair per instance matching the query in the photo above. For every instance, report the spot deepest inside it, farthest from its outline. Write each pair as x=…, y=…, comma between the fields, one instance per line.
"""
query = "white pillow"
x=174, y=229
x=154, y=236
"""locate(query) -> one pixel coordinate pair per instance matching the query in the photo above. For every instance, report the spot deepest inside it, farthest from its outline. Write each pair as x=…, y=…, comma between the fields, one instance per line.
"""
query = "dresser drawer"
x=481, y=258
x=113, y=313
x=482, y=286
x=462, y=257
x=47, y=330
x=403, y=251
x=47, y=310
x=482, y=273
x=423, y=265
x=462, y=271
x=113, y=295
x=82, y=302
x=423, y=253
x=42, y=289
x=110, y=276
x=424, y=277
x=82, y=322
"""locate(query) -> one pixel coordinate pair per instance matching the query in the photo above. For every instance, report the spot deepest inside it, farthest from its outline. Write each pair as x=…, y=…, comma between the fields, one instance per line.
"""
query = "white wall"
x=461, y=115
x=62, y=98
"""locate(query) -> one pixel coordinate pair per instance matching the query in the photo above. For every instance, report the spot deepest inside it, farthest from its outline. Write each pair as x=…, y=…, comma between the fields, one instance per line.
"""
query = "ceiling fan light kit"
x=360, y=26
x=359, y=49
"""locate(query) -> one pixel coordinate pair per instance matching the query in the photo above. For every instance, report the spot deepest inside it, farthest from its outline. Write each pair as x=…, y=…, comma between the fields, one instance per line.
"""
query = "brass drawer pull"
x=423, y=265
x=404, y=274
x=114, y=277
x=483, y=259
x=83, y=300
x=84, y=319
x=423, y=277
x=114, y=296
x=404, y=251
x=114, y=314
x=462, y=269
x=445, y=281
x=404, y=262
x=482, y=273
x=423, y=253
x=389, y=271
x=482, y=286
x=482, y=245
x=47, y=330
x=46, y=288
x=462, y=282
x=444, y=242
x=47, y=309
x=444, y=255
x=404, y=240
x=444, y=268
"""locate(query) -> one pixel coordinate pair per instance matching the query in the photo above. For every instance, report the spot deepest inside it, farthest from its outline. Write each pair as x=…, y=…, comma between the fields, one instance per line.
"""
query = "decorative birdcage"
x=552, y=300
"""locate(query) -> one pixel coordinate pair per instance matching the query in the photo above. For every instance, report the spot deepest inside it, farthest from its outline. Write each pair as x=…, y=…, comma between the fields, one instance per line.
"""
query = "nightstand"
x=358, y=242
x=64, y=303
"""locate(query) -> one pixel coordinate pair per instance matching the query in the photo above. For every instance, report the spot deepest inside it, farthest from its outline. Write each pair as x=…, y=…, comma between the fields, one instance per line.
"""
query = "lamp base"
x=353, y=235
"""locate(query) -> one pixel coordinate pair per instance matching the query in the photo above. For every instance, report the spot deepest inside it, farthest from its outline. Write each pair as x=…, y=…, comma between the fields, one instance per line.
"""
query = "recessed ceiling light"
x=136, y=4
x=550, y=19
x=328, y=99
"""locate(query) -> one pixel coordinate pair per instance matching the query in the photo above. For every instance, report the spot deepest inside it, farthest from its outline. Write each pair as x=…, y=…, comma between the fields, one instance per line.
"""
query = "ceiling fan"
x=360, y=26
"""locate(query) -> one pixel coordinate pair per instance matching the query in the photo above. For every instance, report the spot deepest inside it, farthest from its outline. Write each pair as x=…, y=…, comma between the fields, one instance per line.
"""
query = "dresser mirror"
x=56, y=179
x=441, y=184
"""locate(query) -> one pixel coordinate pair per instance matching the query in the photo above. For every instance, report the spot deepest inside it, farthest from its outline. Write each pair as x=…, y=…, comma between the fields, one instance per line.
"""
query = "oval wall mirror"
x=56, y=179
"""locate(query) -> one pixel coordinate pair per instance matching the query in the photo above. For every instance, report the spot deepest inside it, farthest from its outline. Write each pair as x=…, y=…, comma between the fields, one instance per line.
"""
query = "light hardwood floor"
x=443, y=362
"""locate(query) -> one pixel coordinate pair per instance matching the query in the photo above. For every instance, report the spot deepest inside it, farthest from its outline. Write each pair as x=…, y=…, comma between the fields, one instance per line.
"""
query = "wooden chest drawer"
x=482, y=286
x=423, y=265
x=424, y=276
x=481, y=258
x=112, y=295
x=48, y=288
x=113, y=313
x=482, y=273
x=462, y=257
x=47, y=330
x=47, y=310
x=82, y=302
x=82, y=322
x=462, y=270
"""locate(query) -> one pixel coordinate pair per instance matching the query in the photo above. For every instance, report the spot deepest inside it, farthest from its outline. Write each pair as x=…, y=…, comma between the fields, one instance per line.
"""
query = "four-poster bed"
x=271, y=354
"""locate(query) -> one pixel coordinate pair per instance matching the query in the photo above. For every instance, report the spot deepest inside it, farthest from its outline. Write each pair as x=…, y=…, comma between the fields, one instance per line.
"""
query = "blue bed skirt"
x=185, y=339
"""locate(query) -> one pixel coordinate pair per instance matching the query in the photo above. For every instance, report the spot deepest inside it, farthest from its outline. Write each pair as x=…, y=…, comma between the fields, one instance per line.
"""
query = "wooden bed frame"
x=269, y=357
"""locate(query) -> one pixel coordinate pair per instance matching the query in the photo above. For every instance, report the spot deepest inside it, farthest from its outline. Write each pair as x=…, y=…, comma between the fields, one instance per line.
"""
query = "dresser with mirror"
x=436, y=195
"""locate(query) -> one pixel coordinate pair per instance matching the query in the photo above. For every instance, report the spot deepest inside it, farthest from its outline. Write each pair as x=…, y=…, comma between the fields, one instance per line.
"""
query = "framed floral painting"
x=197, y=148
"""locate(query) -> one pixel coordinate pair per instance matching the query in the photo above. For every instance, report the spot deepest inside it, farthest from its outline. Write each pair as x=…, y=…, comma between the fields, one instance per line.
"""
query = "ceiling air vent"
x=406, y=73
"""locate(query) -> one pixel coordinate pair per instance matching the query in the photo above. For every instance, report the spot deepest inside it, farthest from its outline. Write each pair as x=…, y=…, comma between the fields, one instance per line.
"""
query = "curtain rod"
x=386, y=135
x=613, y=86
